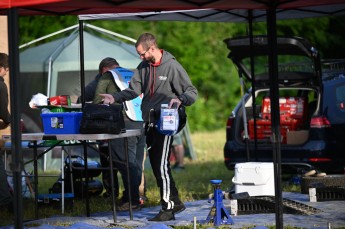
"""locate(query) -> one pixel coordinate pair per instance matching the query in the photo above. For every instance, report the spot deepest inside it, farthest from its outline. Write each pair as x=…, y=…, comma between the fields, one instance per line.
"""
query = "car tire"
x=325, y=181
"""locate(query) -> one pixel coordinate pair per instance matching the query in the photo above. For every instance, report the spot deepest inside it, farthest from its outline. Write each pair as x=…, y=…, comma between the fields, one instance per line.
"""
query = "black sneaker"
x=163, y=215
x=125, y=207
x=178, y=207
x=8, y=207
x=106, y=195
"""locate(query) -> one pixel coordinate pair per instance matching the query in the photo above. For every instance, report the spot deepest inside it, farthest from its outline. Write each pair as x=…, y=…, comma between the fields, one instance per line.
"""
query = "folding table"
x=35, y=137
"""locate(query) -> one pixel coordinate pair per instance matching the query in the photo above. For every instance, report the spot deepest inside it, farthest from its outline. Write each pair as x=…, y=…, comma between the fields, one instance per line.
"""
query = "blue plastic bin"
x=54, y=200
x=61, y=123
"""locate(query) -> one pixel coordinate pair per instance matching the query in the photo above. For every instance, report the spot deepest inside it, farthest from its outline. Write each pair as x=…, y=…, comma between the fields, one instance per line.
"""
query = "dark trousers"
x=136, y=147
x=158, y=147
x=5, y=195
x=104, y=158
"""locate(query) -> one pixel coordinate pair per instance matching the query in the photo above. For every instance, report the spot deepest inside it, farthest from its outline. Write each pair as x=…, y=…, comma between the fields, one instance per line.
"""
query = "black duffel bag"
x=102, y=119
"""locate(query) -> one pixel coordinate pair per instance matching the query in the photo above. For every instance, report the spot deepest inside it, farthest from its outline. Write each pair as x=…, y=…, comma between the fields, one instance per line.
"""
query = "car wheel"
x=318, y=182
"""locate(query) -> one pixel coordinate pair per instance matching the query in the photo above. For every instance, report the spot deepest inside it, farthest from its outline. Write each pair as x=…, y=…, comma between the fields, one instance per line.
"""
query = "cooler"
x=289, y=107
x=256, y=178
x=263, y=128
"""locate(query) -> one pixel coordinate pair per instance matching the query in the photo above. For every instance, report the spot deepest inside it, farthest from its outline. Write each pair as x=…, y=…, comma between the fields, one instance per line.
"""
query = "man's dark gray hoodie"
x=159, y=84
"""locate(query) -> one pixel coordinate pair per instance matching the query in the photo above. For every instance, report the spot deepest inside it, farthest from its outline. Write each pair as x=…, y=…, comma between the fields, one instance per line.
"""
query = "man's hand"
x=175, y=103
x=107, y=99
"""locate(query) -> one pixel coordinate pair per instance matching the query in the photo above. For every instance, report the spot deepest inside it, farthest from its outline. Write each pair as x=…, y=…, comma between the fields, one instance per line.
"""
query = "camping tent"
x=55, y=70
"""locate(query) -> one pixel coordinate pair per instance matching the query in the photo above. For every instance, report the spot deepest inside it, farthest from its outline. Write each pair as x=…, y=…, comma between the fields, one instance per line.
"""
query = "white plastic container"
x=256, y=178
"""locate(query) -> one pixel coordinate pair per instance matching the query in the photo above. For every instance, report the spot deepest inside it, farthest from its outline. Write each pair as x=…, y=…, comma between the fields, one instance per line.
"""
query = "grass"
x=193, y=183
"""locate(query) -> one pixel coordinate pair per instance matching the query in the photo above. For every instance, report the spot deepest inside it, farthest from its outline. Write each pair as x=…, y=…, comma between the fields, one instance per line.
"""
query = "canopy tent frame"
x=274, y=96
x=229, y=11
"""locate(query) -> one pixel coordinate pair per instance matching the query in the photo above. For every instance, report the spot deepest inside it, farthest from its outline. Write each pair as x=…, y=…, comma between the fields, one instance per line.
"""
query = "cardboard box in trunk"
x=297, y=137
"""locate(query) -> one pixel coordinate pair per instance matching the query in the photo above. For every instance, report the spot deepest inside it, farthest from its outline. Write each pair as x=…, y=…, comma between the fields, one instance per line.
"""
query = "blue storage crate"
x=61, y=123
x=54, y=200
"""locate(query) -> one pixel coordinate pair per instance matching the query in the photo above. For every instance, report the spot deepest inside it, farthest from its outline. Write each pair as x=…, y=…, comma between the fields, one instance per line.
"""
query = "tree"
x=200, y=48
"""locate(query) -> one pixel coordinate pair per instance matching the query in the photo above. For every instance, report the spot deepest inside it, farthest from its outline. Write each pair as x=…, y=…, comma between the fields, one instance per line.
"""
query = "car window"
x=294, y=92
x=307, y=93
x=340, y=98
x=286, y=63
x=340, y=93
x=334, y=101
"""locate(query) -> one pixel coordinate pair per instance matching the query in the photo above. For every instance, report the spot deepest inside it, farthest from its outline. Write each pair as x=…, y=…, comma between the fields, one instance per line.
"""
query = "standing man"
x=5, y=119
x=162, y=80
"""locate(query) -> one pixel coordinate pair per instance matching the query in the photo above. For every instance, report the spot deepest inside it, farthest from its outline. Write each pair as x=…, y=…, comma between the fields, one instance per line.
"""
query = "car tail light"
x=320, y=159
x=230, y=122
x=319, y=122
x=227, y=159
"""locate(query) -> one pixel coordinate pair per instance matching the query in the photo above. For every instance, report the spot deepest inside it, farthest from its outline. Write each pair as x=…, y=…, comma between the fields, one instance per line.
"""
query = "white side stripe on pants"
x=164, y=172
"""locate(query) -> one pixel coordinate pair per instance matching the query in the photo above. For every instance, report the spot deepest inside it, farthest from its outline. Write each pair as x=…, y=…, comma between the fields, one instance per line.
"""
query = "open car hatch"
x=298, y=60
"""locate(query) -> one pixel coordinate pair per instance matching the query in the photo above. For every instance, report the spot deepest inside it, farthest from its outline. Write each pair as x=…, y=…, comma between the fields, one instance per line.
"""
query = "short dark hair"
x=3, y=60
x=107, y=62
x=146, y=40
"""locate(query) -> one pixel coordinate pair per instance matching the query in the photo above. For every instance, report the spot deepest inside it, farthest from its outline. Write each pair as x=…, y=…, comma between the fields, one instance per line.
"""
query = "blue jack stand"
x=218, y=211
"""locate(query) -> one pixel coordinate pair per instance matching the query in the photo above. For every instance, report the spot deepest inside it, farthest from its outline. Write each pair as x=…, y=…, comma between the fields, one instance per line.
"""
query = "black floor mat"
x=266, y=204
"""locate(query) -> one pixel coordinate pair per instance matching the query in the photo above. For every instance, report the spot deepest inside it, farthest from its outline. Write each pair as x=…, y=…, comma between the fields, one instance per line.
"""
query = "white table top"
x=42, y=136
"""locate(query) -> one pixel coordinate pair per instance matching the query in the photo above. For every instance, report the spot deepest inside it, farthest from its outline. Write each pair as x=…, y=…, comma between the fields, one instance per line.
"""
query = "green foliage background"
x=200, y=48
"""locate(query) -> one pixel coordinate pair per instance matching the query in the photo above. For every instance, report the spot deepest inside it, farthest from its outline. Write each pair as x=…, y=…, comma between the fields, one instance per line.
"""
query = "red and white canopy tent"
x=174, y=10
x=234, y=7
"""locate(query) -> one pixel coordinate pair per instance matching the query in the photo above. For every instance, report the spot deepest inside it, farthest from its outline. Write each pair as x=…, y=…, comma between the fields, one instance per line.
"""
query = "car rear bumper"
x=315, y=154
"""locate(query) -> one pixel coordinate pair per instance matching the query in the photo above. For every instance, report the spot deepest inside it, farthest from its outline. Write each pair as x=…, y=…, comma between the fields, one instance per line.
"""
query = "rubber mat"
x=266, y=204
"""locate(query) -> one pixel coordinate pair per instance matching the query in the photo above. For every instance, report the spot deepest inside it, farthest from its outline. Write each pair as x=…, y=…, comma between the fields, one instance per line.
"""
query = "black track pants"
x=159, y=149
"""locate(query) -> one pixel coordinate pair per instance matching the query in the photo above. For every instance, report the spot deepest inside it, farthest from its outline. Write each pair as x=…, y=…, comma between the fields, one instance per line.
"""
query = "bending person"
x=114, y=80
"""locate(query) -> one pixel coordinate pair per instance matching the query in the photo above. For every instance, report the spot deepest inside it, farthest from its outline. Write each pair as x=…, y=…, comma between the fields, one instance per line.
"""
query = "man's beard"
x=151, y=59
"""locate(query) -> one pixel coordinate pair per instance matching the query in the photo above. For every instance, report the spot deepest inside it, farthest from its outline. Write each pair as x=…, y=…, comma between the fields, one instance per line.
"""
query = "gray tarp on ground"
x=332, y=214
